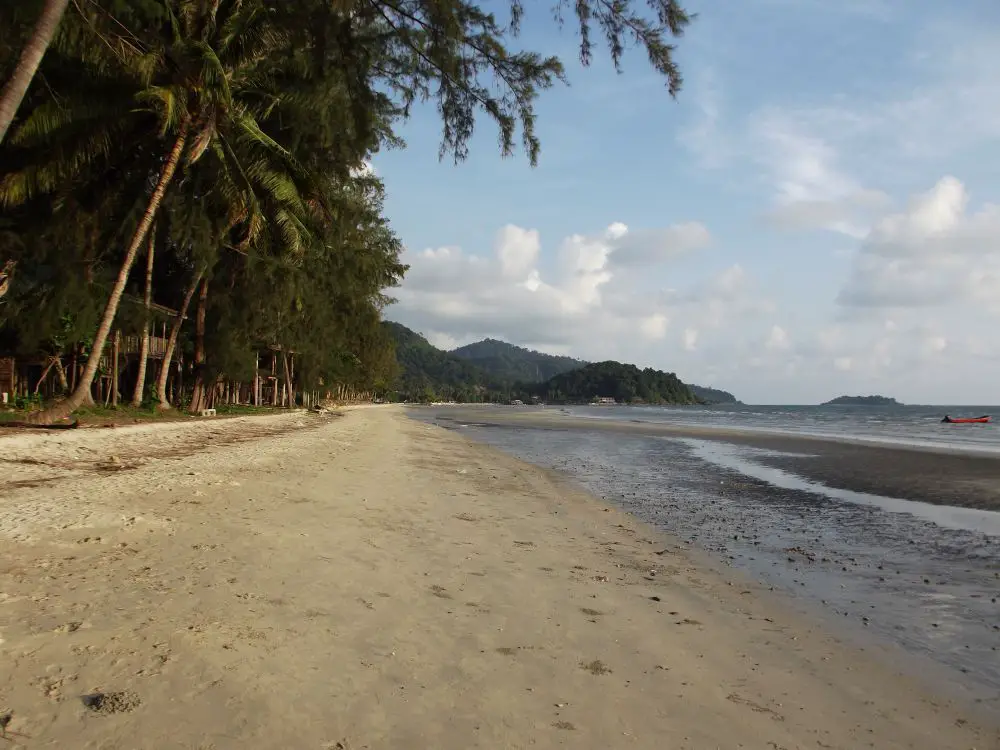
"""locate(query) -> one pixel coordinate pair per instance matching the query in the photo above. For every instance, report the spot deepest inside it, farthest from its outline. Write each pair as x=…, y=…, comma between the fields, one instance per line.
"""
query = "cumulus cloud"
x=915, y=312
x=598, y=295
x=936, y=252
x=811, y=189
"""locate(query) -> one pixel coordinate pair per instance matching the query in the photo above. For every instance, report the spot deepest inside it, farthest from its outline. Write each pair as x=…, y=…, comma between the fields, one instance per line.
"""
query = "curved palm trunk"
x=82, y=391
x=31, y=57
x=147, y=299
x=168, y=355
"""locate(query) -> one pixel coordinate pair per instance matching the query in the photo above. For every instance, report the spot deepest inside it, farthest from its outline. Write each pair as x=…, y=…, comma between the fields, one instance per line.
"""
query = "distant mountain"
x=492, y=370
x=515, y=364
x=713, y=395
x=862, y=401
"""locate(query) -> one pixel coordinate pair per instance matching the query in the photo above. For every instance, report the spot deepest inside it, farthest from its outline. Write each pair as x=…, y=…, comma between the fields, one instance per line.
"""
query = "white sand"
x=370, y=582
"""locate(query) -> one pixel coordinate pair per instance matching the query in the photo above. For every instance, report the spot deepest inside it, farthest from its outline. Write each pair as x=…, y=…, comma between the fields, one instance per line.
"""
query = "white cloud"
x=777, y=340
x=600, y=295
x=690, y=339
x=811, y=189
x=654, y=326
x=518, y=251
x=915, y=316
x=935, y=253
x=844, y=364
x=821, y=163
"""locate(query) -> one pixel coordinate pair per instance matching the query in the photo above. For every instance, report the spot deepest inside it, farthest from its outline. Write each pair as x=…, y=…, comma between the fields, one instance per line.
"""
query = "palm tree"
x=31, y=57
x=199, y=81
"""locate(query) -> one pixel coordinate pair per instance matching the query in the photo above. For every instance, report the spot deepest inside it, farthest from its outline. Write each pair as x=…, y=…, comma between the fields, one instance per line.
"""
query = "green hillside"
x=429, y=374
x=495, y=371
x=515, y=364
x=624, y=383
x=713, y=395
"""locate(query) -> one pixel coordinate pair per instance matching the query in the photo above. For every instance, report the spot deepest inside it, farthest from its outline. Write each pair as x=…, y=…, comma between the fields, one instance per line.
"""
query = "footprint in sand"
x=118, y=702
x=595, y=667
x=441, y=592
x=756, y=707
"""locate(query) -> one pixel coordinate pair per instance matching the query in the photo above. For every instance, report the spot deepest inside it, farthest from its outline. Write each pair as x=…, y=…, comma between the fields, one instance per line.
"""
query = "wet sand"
x=918, y=473
x=924, y=577
x=373, y=582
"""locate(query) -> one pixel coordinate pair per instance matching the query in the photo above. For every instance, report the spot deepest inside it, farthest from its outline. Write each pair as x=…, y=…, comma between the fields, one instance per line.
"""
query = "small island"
x=862, y=401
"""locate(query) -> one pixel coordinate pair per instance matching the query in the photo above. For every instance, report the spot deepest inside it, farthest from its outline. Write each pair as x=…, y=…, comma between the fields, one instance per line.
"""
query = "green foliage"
x=514, y=364
x=624, y=383
x=712, y=395
x=429, y=374
x=862, y=401
x=276, y=106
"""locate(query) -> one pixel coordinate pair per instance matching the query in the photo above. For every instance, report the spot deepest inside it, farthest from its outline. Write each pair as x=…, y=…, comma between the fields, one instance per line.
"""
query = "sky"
x=816, y=214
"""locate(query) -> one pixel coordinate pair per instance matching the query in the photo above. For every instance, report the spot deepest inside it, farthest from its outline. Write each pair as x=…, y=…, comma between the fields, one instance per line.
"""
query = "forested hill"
x=862, y=401
x=515, y=364
x=493, y=370
x=427, y=373
x=624, y=383
x=713, y=395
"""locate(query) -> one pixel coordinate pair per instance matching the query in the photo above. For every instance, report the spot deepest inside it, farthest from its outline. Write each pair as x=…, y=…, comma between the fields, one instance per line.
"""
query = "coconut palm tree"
x=195, y=86
x=31, y=57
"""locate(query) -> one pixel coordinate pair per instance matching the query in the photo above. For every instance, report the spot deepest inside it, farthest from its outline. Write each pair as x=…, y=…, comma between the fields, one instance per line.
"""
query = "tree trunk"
x=45, y=372
x=79, y=395
x=147, y=299
x=288, y=380
x=200, y=396
x=61, y=374
x=161, y=381
x=116, y=353
x=31, y=56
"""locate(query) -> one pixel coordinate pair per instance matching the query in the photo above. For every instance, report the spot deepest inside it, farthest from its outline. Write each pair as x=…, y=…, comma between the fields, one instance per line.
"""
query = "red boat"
x=966, y=420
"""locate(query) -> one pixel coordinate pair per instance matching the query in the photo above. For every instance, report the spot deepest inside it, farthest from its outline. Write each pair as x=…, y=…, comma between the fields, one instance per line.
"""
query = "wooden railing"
x=157, y=346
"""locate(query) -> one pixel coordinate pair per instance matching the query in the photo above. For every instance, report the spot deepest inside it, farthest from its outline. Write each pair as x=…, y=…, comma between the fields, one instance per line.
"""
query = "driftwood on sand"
x=57, y=426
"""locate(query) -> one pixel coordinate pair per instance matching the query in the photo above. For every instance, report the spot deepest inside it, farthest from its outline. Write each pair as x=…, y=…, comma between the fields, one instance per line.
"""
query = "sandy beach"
x=369, y=581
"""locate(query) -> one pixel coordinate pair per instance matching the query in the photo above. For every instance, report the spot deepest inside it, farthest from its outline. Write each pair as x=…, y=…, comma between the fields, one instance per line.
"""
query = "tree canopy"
x=227, y=141
x=495, y=371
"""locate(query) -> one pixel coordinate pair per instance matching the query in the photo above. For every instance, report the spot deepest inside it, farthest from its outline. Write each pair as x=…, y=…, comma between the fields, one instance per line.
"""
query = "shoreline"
x=920, y=473
x=374, y=582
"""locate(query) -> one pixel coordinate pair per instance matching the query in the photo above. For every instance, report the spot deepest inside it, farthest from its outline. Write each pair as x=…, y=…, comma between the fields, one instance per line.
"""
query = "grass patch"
x=124, y=414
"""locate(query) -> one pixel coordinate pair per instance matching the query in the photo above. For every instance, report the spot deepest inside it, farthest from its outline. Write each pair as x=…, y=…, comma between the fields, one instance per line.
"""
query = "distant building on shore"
x=604, y=401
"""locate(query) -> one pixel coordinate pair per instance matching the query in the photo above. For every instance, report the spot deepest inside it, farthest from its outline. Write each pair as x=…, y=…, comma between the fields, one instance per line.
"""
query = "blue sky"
x=813, y=216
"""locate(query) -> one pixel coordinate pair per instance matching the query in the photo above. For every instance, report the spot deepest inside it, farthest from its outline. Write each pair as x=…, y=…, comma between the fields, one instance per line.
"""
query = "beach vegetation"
x=186, y=199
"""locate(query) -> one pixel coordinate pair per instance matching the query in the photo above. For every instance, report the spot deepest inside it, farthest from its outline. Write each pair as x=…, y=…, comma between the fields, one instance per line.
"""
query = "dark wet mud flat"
x=933, y=589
